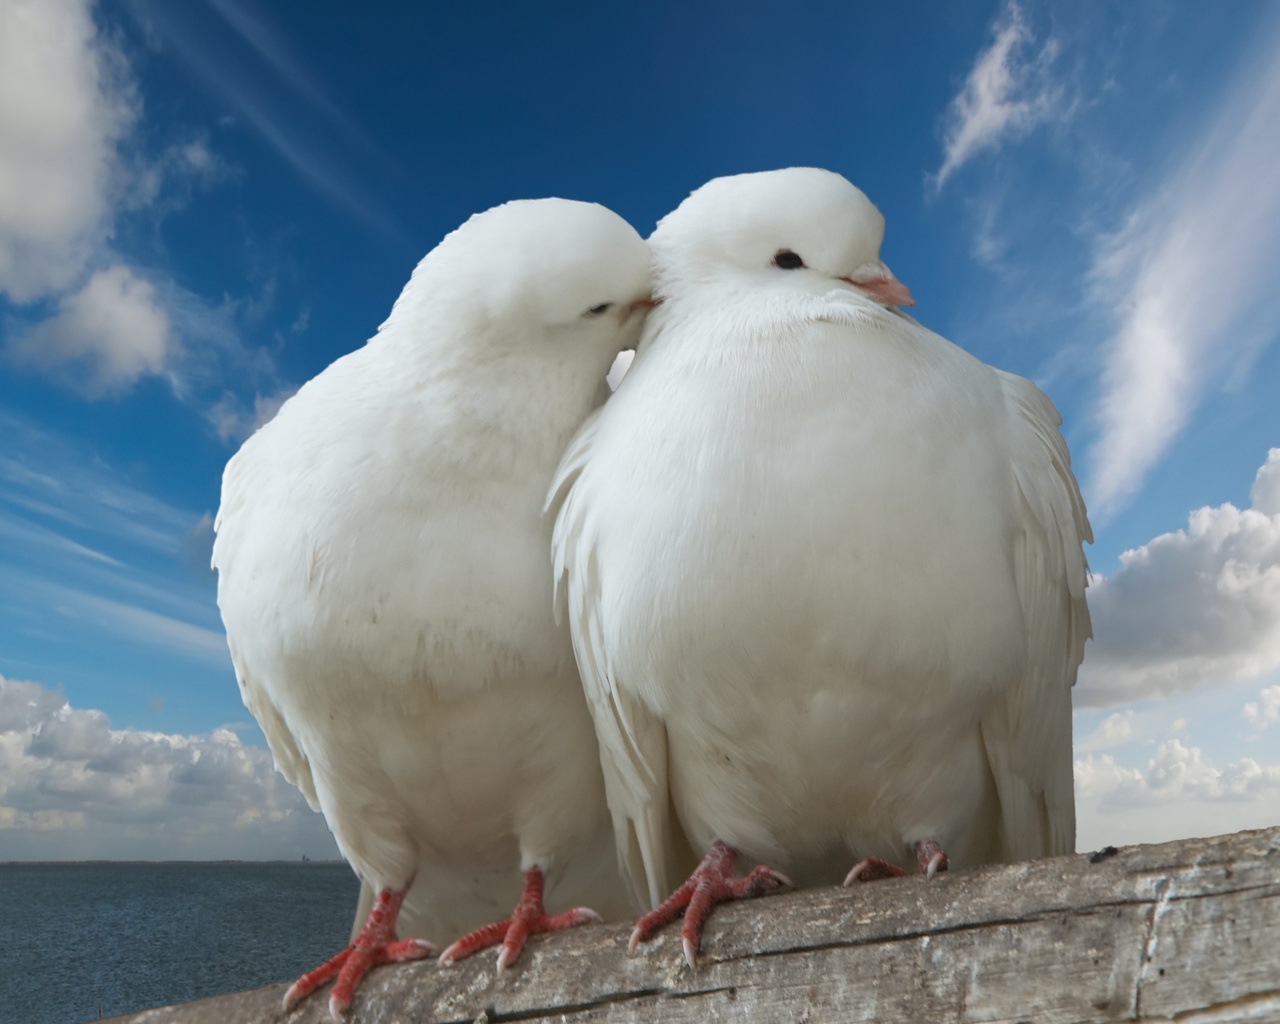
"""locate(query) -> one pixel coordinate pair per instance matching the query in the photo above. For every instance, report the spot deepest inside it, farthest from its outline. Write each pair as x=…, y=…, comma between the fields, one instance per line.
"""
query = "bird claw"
x=374, y=946
x=872, y=869
x=710, y=883
x=529, y=918
x=930, y=859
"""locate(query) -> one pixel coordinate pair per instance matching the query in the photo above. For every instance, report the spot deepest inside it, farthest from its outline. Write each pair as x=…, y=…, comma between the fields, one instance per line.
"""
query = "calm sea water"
x=82, y=940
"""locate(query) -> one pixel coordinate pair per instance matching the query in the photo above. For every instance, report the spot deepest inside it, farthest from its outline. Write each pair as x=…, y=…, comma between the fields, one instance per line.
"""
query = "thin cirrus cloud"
x=69, y=489
x=259, y=35
x=139, y=625
x=86, y=545
x=1186, y=282
x=238, y=83
x=34, y=536
x=1006, y=94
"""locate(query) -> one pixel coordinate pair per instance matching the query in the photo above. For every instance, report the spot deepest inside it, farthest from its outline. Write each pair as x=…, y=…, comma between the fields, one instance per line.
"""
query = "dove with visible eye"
x=822, y=567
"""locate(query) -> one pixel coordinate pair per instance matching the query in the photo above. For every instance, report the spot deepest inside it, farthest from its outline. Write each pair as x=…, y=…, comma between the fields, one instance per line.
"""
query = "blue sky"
x=202, y=205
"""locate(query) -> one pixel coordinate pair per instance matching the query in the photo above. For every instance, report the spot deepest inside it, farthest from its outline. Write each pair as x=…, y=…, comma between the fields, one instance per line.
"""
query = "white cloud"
x=1178, y=793
x=1265, y=710
x=281, y=125
x=1195, y=607
x=103, y=337
x=1188, y=283
x=1177, y=772
x=1265, y=493
x=71, y=173
x=234, y=421
x=72, y=786
x=1112, y=731
x=139, y=624
x=64, y=104
x=1005, y=95
x=70, y=488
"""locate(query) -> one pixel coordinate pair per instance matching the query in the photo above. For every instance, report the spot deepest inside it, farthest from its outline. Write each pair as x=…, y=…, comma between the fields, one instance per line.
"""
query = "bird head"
x=537, y=272
x=801, y=228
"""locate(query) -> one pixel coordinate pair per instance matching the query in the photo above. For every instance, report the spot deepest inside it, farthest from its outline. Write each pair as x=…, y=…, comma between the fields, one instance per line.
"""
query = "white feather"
x=384, y=582
x=822, y=567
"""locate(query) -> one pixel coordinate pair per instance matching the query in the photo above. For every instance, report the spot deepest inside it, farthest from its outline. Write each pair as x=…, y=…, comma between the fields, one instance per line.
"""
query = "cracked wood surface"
x=1186, y=931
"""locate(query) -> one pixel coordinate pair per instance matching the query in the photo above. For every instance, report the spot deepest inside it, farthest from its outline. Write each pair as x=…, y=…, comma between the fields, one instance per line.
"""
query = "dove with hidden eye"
x=384, y=582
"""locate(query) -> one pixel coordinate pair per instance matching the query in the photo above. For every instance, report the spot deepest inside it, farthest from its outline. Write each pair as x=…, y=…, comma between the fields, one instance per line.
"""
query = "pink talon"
x=375, y=945
x=710, y=883
x=528, y=919
x=930, y=859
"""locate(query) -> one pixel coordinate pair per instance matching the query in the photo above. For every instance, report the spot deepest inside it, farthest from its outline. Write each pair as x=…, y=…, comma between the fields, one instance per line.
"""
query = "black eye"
x=787, y=260
x=597, y=310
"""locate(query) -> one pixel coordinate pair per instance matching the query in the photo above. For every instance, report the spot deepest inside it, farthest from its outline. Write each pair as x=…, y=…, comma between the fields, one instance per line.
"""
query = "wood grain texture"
x=1186, y=931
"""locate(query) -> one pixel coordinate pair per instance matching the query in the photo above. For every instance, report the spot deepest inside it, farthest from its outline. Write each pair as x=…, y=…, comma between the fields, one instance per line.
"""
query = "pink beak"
x=883, y=287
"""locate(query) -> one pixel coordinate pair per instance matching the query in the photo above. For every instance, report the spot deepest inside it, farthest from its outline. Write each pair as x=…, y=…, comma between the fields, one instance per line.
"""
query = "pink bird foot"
x=710, y=883
x=375, y=945
x=528, y=919
x=930, y=859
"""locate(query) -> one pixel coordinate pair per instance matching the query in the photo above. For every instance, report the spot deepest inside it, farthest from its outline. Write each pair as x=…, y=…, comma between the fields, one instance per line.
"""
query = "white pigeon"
x=823, y=568
x=383, y=579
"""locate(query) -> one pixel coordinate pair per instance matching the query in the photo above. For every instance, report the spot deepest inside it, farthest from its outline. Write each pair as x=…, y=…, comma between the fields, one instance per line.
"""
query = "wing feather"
x=632, y=739
x=291, y=762
x=1027, y=733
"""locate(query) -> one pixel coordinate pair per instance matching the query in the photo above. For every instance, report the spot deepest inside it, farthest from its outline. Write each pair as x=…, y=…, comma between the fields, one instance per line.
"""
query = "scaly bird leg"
x=375, y=945
x=710, y=883
x=528, y=919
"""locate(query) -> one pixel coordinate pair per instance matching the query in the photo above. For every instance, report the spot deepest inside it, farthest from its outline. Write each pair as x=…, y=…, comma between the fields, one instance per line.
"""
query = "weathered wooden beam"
x=1186, y=931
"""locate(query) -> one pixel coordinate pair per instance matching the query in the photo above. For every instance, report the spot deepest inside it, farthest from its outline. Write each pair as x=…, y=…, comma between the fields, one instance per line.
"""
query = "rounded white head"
x=802, y=227
x=528, y=270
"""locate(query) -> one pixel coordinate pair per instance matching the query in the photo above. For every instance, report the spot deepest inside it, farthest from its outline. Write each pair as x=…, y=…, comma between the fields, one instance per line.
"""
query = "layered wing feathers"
x=1028, y=732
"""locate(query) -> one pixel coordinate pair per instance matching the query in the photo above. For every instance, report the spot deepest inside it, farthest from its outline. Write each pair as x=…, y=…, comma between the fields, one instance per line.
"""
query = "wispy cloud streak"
x=277, y=128
x=140, y=625
x=1184, y=280
x=268, y=45
x=1005, y=95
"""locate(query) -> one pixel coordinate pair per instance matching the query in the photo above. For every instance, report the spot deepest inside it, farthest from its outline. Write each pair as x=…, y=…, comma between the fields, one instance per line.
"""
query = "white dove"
x=823, y=568
x=383, y=579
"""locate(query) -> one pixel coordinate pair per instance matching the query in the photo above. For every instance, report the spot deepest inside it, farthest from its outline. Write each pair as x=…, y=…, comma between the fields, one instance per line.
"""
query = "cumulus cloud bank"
x=1196, y=607
x=1175, y=793
x=1176, y=773
x=72, y=787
